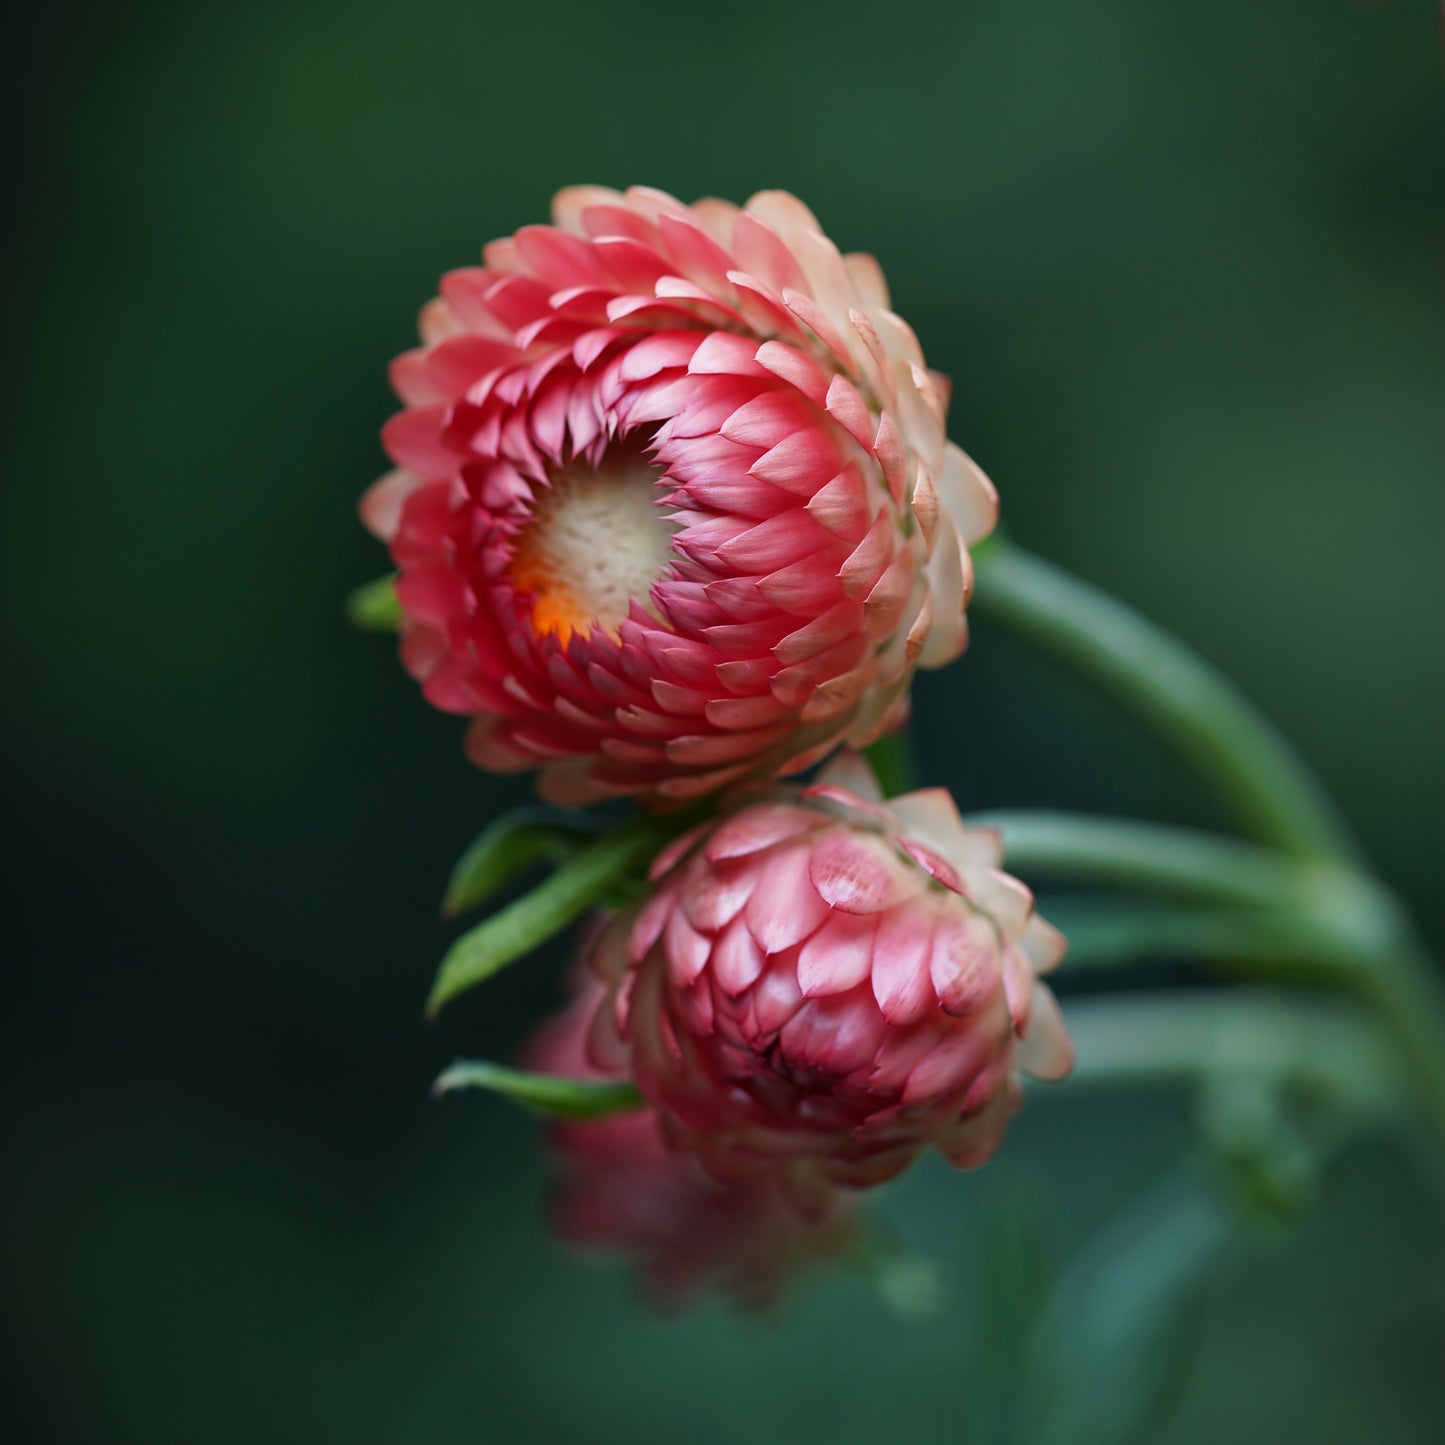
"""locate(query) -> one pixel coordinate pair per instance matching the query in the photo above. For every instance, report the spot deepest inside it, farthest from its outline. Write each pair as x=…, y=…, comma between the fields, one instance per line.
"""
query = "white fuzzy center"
x=596, y=540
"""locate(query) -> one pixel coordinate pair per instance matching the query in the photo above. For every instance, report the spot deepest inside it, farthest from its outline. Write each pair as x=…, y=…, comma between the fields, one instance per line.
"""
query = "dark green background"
x=1183, y=264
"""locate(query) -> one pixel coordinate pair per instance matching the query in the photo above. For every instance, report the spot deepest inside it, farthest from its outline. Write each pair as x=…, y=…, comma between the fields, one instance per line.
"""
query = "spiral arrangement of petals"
x=674, y=505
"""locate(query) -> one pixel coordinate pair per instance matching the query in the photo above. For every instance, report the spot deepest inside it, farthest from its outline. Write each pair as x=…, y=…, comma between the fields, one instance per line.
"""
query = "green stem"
x=1213, y=727
x=891, y=758
x=1117, y=851
x=1316, y=1045
x=1275, y=943
x=1284, y=945
x=1179, y=696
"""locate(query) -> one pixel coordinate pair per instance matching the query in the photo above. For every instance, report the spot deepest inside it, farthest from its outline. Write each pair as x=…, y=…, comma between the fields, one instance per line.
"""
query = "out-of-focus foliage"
x=1182, y=263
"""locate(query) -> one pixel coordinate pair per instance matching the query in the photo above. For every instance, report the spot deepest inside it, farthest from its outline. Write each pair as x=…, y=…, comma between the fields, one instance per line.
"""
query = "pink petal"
x=842, y=505
x=963, y=962
x=413, y=440
x=839, y=956
x=736, y=959
x=714, y=898
x=901, y=981
x=758, y=827
x=801, y=463
x=839, y=1034
x=795, y=367
x=861, y=873
x=685, y=948
x=772, y=543
x=784, y=908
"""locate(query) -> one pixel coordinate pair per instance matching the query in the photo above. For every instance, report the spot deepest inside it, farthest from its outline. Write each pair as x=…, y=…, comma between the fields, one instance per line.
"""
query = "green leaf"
x=374, y=608
x=586, y=878
x=548, y=1094
x=506, y=847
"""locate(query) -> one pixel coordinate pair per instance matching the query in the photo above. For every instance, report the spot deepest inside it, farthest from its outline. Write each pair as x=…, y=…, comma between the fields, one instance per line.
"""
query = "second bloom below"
x=822, y=984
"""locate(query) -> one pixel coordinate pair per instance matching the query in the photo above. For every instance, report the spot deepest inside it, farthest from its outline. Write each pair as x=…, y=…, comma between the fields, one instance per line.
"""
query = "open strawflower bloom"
x=674, y=504
x=675, y=519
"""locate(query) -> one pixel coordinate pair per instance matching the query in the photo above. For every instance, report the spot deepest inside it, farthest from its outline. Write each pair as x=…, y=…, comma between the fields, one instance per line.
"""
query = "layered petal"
x=821, y=984
x=674, y=503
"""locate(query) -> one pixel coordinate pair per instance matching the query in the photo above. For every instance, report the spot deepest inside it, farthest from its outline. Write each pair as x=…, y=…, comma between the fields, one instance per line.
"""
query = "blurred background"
x=1183, y=265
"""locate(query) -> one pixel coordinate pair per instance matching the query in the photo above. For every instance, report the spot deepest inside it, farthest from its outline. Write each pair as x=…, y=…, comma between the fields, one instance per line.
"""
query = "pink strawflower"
x=618, y=1187
x=674, y=503
x=821, y=984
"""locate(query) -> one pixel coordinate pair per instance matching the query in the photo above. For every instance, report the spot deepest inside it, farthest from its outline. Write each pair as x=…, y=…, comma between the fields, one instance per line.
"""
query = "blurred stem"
x=891, y=758
x=1316, y=1045
x=1275, y=943
x=1204, y=718
x=1179, y=696
x=1120, y=851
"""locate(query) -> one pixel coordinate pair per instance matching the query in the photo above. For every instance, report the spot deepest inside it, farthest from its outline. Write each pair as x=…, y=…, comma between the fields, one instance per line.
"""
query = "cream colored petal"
x=918, y=416
x=382, y=504
x=945, y=580
x=782, y=212
x=931, y=816
x=868, y=278
x=717, y=218
x=438, y=321
x=1045, y=1051
x=967, y=495
x=850, y=770
x=980, y=848
x=569, y=203
x=651, y=203
x=897, y=335
x=1043, y=945
x=1007, y=901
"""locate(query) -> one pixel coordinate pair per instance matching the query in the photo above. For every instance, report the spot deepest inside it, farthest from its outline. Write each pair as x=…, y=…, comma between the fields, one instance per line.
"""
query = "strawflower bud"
x=674, y=505
x=821, y=984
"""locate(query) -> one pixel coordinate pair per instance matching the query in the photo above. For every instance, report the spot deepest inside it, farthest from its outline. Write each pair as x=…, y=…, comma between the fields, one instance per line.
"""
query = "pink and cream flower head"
x=674, y=504
x=822, y=984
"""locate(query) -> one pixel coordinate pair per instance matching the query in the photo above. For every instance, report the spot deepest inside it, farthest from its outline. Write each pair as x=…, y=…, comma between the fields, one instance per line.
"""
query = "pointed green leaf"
x=586, y=878
x=548, y=1094
x=374, y=608
x=506, y=847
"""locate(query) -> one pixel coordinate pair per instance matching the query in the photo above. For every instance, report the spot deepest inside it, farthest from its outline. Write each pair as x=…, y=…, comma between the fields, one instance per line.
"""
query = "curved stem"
x=1310, y=1043
x=1120, y=851
x=1212, y=726
x=1189, y=705
x=1275, y=943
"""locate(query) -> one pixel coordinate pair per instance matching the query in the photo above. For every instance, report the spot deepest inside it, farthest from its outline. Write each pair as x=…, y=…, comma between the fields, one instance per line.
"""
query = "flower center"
x=596, y=539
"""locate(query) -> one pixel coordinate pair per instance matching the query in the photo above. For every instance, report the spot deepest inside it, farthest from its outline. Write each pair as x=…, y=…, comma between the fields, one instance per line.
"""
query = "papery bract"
x=821, y=984
x=674, y=503
x=619, y=1187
